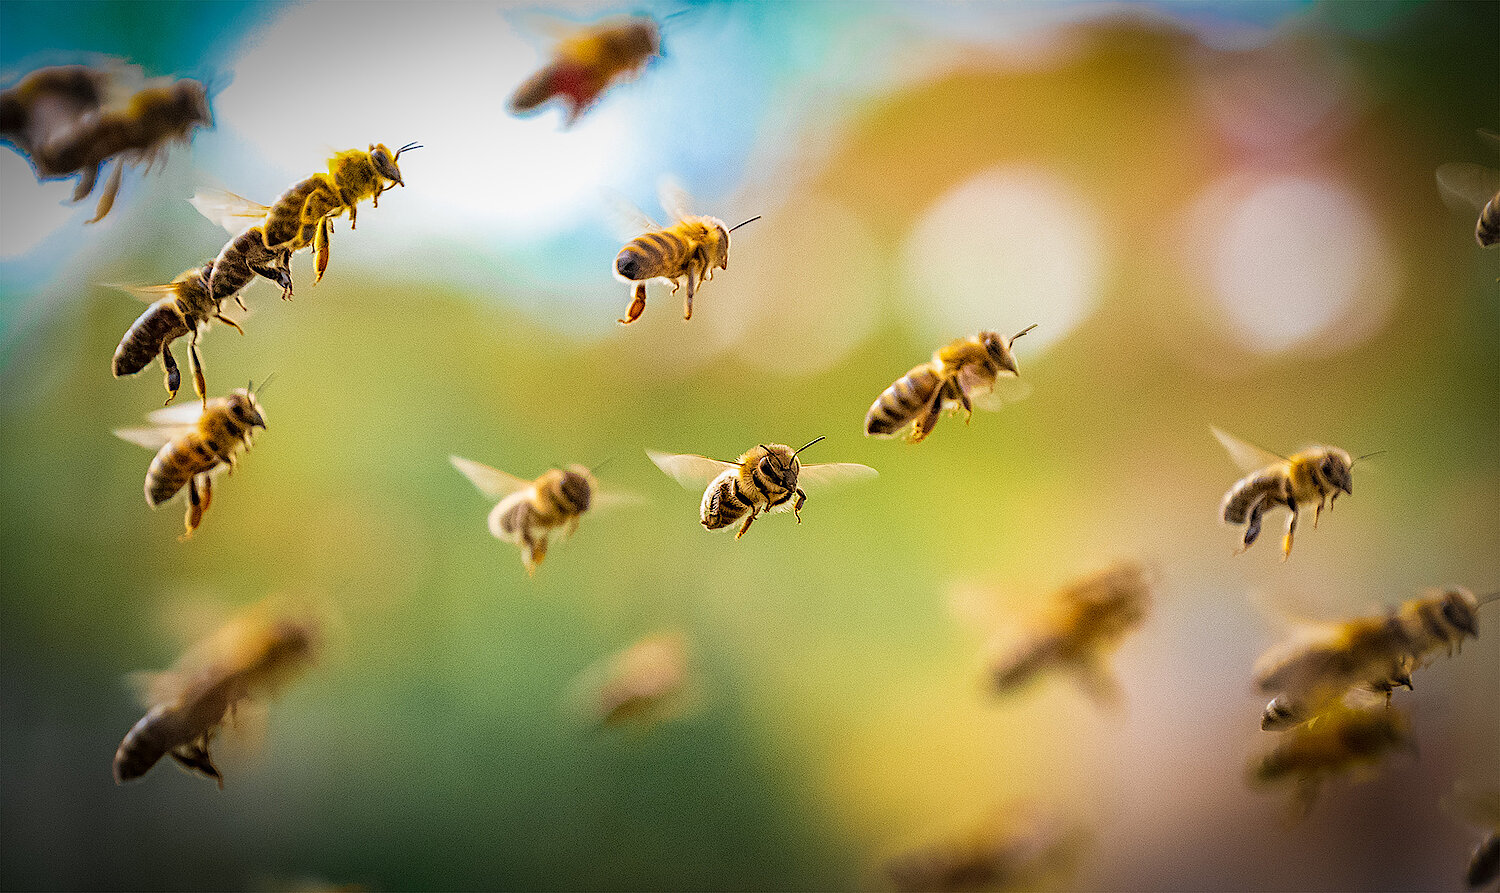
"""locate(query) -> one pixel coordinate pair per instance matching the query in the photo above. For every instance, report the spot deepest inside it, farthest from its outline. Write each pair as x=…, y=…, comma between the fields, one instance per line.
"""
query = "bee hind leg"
x=196, y=363
x=229, y=322
x=1252, y=526
x=1291, y=530
x=637, y=306
x=107, y=198
x=198, y=502
x=174, y=375
x=687, y=307
x=321, y=239
x=749, y=519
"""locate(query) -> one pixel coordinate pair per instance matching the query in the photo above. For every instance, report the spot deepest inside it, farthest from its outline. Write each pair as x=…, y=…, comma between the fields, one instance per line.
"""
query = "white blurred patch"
x=1292, y=260
x=33, y=211
x=1007, y=248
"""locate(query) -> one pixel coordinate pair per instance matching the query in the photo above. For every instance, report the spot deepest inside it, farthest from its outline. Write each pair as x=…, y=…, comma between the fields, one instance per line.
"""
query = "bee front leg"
x=174, y=377
x=1318, y=512
x=229, y=322
x=637, y=306
x=749, y=519
x=797, y=506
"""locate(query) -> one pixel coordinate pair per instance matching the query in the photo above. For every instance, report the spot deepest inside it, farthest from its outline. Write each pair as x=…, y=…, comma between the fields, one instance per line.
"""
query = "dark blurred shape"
x=642, y=685
x=71, y=119
x=1338, y=741
x=998, y=855
x=587, y=62
x=1466, y=186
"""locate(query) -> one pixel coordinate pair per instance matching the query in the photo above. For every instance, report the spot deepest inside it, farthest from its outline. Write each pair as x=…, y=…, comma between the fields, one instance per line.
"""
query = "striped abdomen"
x=245, y=257
x=223, y=428
x=659, y=253
x=1487, y=231
x=1262, y=487
x=725, y=502
x=148, y=741
x=158, y=325
x=911, y=396
x=305, y=203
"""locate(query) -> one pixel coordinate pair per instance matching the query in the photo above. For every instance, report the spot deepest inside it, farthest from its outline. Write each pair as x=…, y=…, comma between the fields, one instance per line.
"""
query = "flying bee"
x=184, y=306
x=529, y=512
x=1377, y=653
x=1088, y=619
x=587, y=62
x=642, y=685
x=303, y=215
x=957, y=374
x=1342, y=739
x=997, y=855
x=249, y=658
x=1467, y=186
x=687, y=251
x=1317, y=474
x=193, y=444
x=766, y=478
x=72, y=119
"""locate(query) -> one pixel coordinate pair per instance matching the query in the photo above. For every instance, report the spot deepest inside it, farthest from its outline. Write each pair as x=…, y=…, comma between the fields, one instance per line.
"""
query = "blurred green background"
x=1218, y=214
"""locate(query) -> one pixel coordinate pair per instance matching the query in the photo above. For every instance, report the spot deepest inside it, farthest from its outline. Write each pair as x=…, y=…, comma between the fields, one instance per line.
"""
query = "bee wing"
x=181, y=415
x=491, y=482
x=1467, y=187
x=1247, y=456
x=1489, y=137
x=690, y=471
x=674, y=198
x=605, y=500
x=151, y=438
x=1005, y=390
x=626, y=220
x=226, y=209
x=833, y=473
x=147, y=293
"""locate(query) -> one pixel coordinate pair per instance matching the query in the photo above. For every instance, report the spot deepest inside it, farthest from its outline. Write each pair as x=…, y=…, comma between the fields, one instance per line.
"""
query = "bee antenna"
x=810, y=443
x=257, y=391
x=738, y=225
x=1368, y=455
x=1020, y=333
x=607, y=460
x=1491, y=597
x=407, y=148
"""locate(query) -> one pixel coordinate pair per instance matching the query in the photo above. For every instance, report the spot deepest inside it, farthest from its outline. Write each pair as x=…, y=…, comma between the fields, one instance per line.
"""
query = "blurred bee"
x=1340, y=740
x=587, y=62
x=1480, y=808
x=250, y=657
x=688, y=250
x=995, y=856
x=764, y=479
x=193, y=444
x=1467, y=186
x=303, y=215
x=72, y=119
x=956, y=374
x=245, y=256
x=644, y=684
x=1089, y=618
x=529, y=512
x=1377, y=654
x=184, y=306
x=1317, y=474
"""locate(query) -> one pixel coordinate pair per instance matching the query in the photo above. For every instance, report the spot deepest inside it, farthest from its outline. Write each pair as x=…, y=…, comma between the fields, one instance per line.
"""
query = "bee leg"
x=321, y=246
x=1252, y=527
x=749, y=519
x=1291, y=530
x=229, y=322
x=687, y=307
x=353, y=210
x=196, y=758
x=797, y=506
x=637, y=306
x=196, y=364
x=174, y=377
x=927, y=421
x=107, y=198
x=86, y=180
x=197, y=504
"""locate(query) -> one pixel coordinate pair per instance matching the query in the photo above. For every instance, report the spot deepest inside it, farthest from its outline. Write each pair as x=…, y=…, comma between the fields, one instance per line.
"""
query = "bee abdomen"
x=724, y=505
x=145, y=744
x=903, y=401
x=284, y=222
x=174, y=465
x=537, y=90
x=1487, y=231
x=1244, y=494
x=651, y=255
x=159, y=324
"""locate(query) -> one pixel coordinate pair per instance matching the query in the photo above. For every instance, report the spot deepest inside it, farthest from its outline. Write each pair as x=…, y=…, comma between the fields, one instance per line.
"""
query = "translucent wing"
x=1247, y=456
x=1467, y=187
x=833, y=473
x=626, y=220
x=491, y=482
x=181, y=415
x=151, y=438
x=1489, y=137
x=674, y=198
x=690, y=471
x=232, y=212
x=605, y=500
x=148, y=293
x=1006, y=390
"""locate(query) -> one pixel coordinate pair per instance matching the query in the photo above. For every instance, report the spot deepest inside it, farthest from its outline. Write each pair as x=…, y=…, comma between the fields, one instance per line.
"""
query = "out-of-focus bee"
x=964, y=370
x=303, y=215
x=1338, y=741
x=1377, y=653
x=1088, y=619
x=529, y=512
x=71, y=119
x=997, y=855
x=587, y=62
x=245, y=256
x=766, y=478
x=688, y=250
x=642, y=685
x=1317, y=474
x=1473, y=186
x=194, y=443
x=1482, y=809
x=251, y=657
x=184, y=306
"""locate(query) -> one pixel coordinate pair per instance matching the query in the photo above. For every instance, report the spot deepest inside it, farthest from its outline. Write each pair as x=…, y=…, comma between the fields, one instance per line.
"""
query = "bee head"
x=1335, y=468
x=1461, y=609
x=640, y=38
x=577, y=487
x=719, y=250
x=190, y=100
x=385, y=161
x=245, y=408
x=999, y=349
x=779, y=464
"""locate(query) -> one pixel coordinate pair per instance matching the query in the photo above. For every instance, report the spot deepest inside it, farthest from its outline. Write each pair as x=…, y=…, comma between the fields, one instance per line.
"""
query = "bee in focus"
x=997, y=855
x=588, y=62
x=249, y=658
x=766, y=478
x=1341, y=740
x=1317, y=474
x=1482, y=809
x=1469, y=186
x=194, y=443
x=1378, y=654
x=1088, y=619
x=530, y=512
x=956, y=375
x=72, y=119
x=245, y=256
x=303, y=215
x=642, y=685
x=184, y=306
x=687, y=251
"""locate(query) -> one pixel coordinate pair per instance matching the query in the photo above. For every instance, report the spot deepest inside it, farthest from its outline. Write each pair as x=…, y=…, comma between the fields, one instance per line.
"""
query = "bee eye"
x=1328, y=467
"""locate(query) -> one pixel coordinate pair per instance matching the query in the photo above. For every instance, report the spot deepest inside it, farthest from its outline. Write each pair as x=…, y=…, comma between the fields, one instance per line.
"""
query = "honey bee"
x=193, y=444
x=997, y=855
x=303, y=215
x=965, y=369
x=688, y=250
x=643, y=685
x=764, y=479
x=587, y=62
x=529, y=512
x=1317, y=474
x=1473, y=186
x=184, y=306
x=1376, y=653
x=1342, y=739
x=72, y=119
x=1089, y=617
x=250, y=657
x=245, y=256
